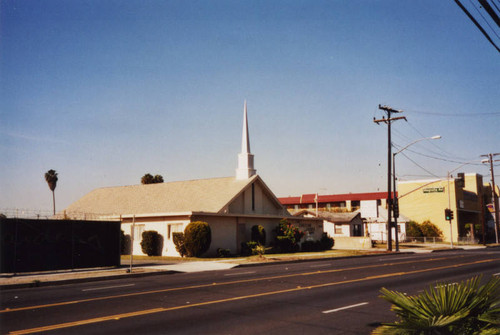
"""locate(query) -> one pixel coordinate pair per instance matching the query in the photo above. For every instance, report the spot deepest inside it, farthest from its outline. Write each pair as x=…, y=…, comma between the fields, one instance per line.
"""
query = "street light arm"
x=437, y=137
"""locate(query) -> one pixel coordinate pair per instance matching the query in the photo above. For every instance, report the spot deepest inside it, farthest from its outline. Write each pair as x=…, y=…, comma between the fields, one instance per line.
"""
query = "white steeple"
x=245, y=159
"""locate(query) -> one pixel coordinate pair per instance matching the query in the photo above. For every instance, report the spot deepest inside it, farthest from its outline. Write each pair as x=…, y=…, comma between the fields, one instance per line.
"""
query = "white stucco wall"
x=162, y=227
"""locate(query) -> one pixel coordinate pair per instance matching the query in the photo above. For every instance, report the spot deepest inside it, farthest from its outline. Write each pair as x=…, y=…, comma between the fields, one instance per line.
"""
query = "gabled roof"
x=202, y=195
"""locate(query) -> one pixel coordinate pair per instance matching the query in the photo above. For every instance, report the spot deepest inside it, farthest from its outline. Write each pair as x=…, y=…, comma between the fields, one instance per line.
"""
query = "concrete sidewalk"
x=142, y=268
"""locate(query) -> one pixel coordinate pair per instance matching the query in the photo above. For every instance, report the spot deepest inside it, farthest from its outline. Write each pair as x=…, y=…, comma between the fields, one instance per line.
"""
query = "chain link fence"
x=23, y=213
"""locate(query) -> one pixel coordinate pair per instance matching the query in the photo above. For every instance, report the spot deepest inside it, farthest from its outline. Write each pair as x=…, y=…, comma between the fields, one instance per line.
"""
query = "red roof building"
x=350, y=201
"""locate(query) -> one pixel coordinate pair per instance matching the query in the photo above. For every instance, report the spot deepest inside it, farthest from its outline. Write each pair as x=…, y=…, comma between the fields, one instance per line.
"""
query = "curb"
x=36, y=283
x=105, y=277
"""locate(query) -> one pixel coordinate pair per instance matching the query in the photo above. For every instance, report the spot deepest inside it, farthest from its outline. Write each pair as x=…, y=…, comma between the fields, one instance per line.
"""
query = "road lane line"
x=299, y=288
x=239, y=273
x=9, y=310
x=396, y=259
x=105, y=288
x=345, y=307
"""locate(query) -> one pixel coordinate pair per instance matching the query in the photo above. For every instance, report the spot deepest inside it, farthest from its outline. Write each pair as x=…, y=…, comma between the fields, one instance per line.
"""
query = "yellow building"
x=466, y=196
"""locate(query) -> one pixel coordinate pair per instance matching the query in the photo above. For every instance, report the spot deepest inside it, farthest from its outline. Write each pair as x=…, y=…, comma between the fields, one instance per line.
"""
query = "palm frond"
x=465, y=308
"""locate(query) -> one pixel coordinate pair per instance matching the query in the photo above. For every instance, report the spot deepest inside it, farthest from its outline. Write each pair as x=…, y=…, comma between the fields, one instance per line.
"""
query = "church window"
x=138, y=230
x=253, y=197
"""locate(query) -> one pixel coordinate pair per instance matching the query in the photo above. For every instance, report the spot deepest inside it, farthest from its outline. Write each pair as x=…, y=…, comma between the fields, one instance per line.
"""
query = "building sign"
x=434, y=190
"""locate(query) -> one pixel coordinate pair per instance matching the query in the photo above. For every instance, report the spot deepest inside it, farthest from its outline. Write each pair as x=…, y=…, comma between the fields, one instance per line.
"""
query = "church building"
x=231, y=206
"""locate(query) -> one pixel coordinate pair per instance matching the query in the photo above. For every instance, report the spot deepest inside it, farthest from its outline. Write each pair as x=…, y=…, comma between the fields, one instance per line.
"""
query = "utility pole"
x=494, y=197
x=388, y=121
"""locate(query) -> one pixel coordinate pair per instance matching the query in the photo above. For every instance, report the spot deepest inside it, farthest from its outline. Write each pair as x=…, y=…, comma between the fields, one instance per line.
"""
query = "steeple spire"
x=245, y=159
x=245, y=140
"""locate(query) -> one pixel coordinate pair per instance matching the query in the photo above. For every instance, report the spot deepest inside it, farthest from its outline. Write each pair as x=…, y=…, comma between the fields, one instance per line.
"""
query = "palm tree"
x=51, y=179
x=149, y=179
x=463, y=308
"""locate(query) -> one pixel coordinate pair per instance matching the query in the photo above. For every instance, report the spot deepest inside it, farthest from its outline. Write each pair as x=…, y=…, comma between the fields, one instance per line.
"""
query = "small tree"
x=197, y=238
x=51, y=179
x=178, y=239
x=151, y=243
x=413, y=229
x=287, y=236
x=429, y=229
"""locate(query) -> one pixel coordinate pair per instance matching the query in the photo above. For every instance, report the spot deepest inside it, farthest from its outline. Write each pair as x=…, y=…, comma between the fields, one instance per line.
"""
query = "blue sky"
x=105, y=91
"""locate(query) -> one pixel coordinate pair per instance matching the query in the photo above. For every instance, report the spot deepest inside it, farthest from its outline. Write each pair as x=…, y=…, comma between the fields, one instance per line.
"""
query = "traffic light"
x=448, y=214
x=395, y=208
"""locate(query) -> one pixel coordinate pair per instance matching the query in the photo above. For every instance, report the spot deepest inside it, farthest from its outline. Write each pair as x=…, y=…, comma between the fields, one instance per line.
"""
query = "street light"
x=395, y=205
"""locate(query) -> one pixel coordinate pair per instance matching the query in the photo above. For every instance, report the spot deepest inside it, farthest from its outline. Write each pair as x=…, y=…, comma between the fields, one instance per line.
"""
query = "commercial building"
x=467, y=196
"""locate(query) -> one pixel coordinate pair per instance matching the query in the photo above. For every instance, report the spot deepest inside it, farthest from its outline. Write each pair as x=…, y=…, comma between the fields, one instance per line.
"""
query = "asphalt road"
x=313, y=297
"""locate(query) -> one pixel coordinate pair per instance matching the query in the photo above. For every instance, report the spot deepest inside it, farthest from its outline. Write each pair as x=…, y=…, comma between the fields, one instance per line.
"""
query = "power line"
x=469, y=15
x=481, y=14
x=439, y=158
x=420, y=166
x=456, y=114
x=441, y=150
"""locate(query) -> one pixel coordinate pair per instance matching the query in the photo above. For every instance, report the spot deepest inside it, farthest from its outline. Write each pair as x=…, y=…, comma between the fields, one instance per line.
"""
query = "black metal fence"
x=41, y=245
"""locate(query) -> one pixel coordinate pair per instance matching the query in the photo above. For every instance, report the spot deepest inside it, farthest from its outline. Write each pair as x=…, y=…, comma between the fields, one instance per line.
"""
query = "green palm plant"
x=463, y=308
x=51, y=179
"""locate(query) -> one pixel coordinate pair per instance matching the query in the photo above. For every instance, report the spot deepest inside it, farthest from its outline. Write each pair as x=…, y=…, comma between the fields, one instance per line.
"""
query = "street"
x=333, y=296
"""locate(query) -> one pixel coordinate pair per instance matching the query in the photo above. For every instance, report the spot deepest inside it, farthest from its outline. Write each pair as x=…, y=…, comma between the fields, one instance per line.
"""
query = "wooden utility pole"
x=494, y=197
x=388, y=121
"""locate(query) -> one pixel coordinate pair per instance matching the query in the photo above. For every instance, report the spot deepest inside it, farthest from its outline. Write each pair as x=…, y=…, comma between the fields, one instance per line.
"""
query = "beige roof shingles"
x=202, y=195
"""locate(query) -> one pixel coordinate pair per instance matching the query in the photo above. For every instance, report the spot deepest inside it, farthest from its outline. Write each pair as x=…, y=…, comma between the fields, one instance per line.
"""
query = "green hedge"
x=197, y=238
x=151, y=243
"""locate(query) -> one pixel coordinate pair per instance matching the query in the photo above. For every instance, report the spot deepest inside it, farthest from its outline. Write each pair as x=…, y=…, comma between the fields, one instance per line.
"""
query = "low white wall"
x=352, y=243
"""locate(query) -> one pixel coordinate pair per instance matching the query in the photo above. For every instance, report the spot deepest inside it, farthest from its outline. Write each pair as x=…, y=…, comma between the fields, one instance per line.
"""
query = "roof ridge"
x=164, y=183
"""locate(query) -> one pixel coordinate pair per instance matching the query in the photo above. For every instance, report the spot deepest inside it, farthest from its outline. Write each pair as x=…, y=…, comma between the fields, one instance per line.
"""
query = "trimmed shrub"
x=259, y=234
x=223, y=253
x=178, y=239
x=151, y=243
x=122, y=242
x=125, y=243
x=326, y=242
x=197, y=238
x=308, y=246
